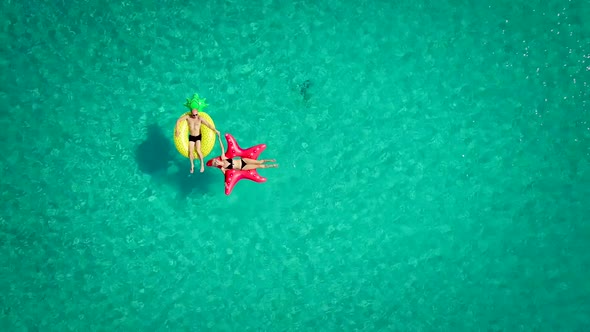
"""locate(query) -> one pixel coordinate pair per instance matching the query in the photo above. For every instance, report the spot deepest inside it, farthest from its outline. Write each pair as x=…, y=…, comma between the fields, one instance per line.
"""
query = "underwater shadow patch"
x=196, y=183
x=157, y=156
x=304, y=90
x=154, y=154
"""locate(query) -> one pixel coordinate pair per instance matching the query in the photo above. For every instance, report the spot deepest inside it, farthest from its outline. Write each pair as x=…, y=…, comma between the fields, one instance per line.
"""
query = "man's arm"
x=184, y=117
x=206, y=123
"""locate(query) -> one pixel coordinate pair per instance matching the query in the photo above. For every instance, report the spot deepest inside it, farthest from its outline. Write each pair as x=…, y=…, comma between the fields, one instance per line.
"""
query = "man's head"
x=194, y=112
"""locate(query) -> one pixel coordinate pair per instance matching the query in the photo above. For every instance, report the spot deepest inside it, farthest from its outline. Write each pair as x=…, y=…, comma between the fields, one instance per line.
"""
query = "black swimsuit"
x=192, y=138
x=231, y=163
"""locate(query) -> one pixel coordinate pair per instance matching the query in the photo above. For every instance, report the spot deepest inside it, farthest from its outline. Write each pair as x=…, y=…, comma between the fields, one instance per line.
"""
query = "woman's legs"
x=255, y=166
x=249, y=164
x=258, y=162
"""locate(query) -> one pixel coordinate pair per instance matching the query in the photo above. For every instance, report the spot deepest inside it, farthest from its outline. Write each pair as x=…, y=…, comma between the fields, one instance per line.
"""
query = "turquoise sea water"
x=435, y=175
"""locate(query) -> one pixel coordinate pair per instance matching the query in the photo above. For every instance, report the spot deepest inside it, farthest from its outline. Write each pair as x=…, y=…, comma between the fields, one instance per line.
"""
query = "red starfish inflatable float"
x=232, y=176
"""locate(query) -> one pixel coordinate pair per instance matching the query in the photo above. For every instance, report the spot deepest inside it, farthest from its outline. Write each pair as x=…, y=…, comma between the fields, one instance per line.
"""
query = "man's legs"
x=200, y=155
x=191, y=155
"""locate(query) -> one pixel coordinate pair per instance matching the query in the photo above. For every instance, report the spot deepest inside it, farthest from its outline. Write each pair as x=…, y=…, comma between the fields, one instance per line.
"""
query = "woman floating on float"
x=240, y=168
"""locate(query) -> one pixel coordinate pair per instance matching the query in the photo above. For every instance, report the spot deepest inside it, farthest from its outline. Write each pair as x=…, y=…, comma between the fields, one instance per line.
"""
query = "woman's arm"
x=222, y=148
